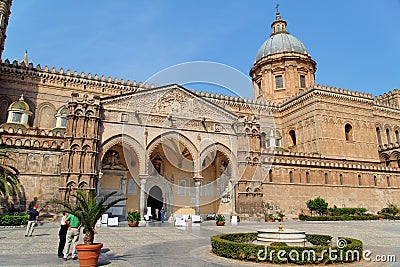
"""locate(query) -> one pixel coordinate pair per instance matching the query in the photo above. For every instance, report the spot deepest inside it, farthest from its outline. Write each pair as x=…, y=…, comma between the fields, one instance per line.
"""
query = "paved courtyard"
x=160, y=244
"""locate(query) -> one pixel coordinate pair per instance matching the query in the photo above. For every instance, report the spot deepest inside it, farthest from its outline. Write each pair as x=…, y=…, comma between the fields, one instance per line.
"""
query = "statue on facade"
x=111, y=161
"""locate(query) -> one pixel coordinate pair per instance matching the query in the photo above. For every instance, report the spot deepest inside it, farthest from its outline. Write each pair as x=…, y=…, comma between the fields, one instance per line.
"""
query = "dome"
x=20, y=104
x=280, y=43
x=63, y=111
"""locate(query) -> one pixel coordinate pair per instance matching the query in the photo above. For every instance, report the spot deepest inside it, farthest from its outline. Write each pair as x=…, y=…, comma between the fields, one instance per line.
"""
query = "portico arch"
x=125, y=141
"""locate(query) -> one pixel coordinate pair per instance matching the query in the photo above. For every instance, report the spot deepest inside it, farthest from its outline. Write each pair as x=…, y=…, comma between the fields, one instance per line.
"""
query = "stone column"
x=99, y=183
x=233, y=198
x=197, y=183
x=142, y=193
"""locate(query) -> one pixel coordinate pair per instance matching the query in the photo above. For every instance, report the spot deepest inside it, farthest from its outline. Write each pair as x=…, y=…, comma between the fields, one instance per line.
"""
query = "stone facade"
x=168, y=146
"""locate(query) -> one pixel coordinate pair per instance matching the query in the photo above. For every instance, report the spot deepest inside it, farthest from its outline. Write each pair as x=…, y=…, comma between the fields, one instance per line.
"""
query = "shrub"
x=364, y=217
x=279, y=244
x=319, y=240
x=318, y=205
x=239, y=246
x=346, y=211
x=220, y=218
x=13, y=220
x=133, y=216
x=390, y=209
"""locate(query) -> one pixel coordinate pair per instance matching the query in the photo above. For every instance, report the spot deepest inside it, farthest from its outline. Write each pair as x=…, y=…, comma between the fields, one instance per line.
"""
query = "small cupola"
x=19, y=112
x=279, y=25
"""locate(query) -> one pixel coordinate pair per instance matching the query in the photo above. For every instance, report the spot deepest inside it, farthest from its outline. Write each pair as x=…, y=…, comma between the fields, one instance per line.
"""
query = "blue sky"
x=355, y=43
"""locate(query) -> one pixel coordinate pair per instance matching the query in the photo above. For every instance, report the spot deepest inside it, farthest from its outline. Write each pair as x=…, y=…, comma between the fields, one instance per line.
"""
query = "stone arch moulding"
x=41, y=119
x=232, y=165
x=132, y=143
x=173, y=135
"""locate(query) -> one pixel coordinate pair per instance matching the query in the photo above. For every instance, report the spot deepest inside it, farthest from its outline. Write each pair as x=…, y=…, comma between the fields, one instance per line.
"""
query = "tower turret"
x=5, y=11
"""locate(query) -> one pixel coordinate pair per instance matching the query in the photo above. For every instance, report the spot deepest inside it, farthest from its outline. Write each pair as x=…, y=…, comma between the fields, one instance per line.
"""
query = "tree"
x=88, y=210
x=9, y=181
x=318, y=205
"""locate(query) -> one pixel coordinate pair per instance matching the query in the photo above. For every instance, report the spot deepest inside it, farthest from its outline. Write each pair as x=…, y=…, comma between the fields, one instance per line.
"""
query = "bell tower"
x=283, y=67
x=5, y=11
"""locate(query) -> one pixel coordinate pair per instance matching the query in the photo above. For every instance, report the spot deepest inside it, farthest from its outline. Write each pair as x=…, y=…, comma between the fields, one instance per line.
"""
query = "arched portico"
x=219, y=171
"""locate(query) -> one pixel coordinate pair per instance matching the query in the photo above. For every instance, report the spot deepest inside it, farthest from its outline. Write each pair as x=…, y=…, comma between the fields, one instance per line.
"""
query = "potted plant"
x=89, y=210
x=269, y=217
x=280, y=216
x=220, y=220
x=133, y=218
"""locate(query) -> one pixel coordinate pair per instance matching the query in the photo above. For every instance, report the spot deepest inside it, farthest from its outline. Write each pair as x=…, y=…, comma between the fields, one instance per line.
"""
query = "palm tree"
x=88, y=210
x=9, y=182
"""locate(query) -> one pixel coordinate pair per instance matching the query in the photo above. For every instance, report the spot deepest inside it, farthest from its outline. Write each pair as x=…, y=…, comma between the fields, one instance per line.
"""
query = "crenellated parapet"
x=388, y=101
x=33, y=139
x=68, y=79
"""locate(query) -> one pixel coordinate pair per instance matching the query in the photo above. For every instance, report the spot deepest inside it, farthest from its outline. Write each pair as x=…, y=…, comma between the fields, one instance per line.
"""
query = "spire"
x=25, y=59
x=279, y=25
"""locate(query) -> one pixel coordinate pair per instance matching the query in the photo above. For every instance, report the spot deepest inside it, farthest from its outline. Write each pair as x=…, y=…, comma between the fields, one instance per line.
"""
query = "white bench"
x=113, y=221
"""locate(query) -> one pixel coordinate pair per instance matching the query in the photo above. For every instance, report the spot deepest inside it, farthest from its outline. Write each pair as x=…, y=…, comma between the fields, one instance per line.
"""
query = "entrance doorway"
x=155, y=201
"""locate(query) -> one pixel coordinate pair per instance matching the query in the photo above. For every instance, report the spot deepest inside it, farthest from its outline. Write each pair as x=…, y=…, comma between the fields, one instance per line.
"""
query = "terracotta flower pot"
x=133, y=224
x=220, y=223
x=88, y=255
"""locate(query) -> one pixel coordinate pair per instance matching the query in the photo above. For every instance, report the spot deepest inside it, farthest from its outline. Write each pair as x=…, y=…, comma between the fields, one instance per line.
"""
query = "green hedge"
x=346, y=211
x=365, y=217
x=239, y=246
x=13, y=220
x=319, y=240
x=389, y=216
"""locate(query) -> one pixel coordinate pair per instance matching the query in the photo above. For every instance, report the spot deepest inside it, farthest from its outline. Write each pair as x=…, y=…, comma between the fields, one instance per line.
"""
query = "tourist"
x=74, y=228
x=162, y=214
x=62, y=233
x=156, y=213
x=32, y=221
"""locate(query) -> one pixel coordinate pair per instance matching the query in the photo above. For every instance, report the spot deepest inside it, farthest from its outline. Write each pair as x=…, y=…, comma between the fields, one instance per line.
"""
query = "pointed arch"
x=127, y=142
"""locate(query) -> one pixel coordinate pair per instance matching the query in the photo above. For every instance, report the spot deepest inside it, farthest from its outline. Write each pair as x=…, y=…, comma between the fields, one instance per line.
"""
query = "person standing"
x=156, y=213
x=62, y=233
x=74, y=228
x=162, y=214
x=33, y=216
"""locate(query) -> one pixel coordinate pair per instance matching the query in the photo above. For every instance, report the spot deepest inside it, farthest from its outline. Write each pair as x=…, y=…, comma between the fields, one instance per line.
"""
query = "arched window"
x=341, y=179
x=359, y=180
x=307, y=177
x=270, y=176
x=292, y=138
x=388, y=181
x=326, y=178
x=388, y=136
x=290, y=177
x=397, y=136
x=348, y=129
x=378, y=135
x=302, y=81
x=61, y=117
x=375, y=181
x=278, y=82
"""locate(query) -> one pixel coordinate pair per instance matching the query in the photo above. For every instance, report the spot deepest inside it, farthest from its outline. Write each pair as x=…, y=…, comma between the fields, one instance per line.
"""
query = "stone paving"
x=165, y=245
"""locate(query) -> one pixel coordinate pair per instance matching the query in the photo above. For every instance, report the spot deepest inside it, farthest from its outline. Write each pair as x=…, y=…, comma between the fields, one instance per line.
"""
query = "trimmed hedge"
x=319, y=240
x=13, y=220
x=365, y=217
x=239, y=246
x=346, y=211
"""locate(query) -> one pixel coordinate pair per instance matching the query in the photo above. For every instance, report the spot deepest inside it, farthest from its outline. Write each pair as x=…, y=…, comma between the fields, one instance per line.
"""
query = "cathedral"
x=167, y=146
